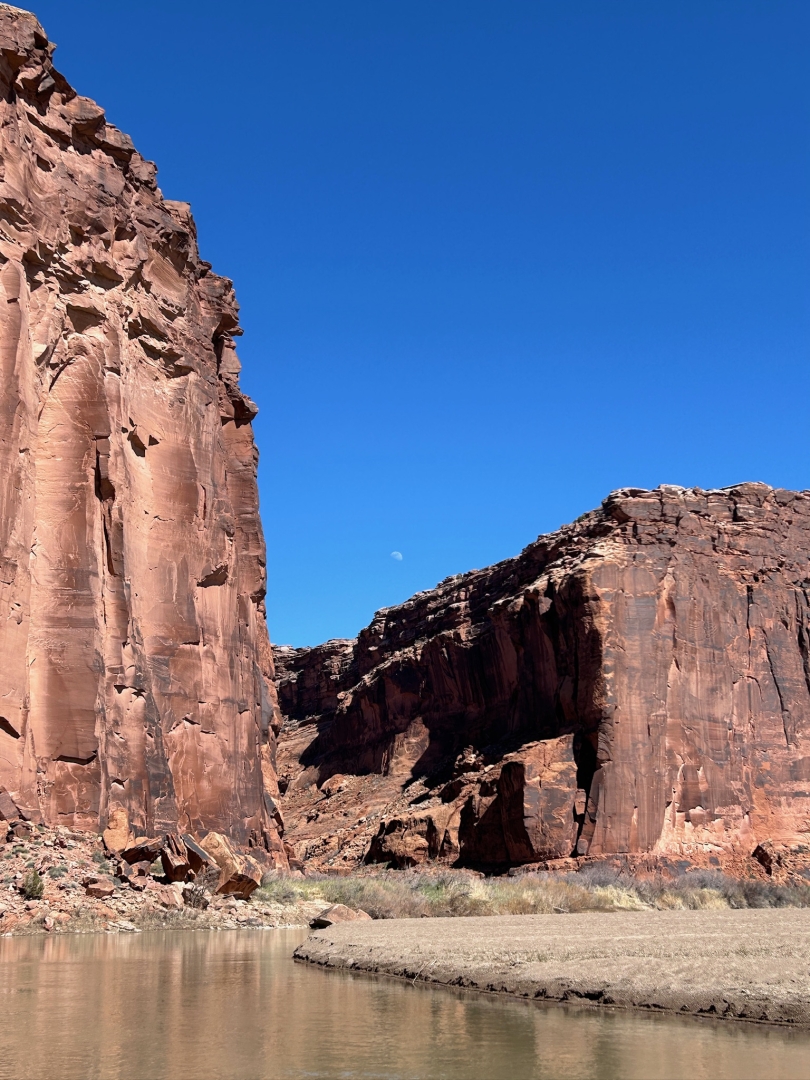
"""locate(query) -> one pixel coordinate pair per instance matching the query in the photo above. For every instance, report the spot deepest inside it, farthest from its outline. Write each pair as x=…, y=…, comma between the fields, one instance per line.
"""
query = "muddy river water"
x=234, y=1005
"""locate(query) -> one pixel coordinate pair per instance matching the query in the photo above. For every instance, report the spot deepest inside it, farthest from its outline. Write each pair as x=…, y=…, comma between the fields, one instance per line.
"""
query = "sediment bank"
x=743, y=965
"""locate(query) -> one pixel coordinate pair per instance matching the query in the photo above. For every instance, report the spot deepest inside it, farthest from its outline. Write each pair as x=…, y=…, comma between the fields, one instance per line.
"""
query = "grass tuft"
x=33, y=886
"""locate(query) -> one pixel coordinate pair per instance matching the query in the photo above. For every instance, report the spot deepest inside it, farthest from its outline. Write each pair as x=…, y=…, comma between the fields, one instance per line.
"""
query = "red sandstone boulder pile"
x=136, y=682
x=636, y=683
x=60, y=880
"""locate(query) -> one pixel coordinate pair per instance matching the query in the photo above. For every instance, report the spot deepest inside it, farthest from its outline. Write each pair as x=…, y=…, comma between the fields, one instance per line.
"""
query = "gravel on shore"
x=742, y=965
x=66, y=860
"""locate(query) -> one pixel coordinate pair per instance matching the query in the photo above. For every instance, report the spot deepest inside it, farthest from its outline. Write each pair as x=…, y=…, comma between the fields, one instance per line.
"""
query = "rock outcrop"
x=136, y=673
x=636, y=683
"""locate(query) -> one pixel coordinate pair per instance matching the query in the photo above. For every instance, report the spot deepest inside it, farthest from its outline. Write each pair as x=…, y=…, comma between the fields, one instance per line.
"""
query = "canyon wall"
x=636, y=683
x=136, y=674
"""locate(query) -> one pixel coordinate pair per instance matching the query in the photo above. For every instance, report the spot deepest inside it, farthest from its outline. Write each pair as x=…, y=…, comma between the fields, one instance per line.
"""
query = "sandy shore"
x=744, y=965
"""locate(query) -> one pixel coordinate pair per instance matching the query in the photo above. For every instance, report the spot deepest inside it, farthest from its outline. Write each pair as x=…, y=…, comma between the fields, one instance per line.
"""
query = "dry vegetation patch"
x=409, y=894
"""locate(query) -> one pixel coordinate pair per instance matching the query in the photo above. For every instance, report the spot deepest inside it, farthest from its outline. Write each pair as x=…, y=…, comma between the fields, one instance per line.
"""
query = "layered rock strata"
x=136, y=672
x=636, y=683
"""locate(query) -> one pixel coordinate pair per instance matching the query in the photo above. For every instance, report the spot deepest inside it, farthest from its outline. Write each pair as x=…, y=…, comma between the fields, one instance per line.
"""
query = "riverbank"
x=60, y=881
x=65, y=881
x=744, y=965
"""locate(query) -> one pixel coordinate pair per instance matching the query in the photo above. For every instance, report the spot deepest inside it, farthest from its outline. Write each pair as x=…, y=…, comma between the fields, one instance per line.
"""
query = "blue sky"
x=494, y=259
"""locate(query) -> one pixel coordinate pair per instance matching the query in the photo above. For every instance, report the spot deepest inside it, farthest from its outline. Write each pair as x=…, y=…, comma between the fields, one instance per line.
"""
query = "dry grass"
x=410, y=894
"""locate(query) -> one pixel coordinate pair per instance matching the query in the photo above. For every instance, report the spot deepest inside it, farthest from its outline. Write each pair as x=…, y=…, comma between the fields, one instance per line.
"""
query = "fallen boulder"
x=9, y=811
x=134, y=874
x=117, y=836
x=337, y=913
x=198, y=858
x=100, y=889
x=239, y=875
x=168, y=896
x=174, y=858
x=142, y=849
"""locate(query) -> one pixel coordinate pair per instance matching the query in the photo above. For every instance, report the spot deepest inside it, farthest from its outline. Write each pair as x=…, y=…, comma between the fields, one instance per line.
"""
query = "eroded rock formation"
x=637, y=682
x=135, y=659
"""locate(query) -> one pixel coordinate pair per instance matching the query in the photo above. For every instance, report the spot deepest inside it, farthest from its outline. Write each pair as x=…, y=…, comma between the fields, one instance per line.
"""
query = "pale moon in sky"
x=396, y=555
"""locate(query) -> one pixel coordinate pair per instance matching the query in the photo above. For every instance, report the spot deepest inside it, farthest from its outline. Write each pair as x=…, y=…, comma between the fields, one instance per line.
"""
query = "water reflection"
x=233, y=1005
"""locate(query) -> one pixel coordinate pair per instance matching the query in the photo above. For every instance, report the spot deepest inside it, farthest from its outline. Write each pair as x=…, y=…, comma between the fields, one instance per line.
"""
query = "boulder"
x=168, y=896
x=117, y=836
x=100, y=889
x=9, y=811
x=174, y=858
x=142, y=849
x=134, y=874
x=337, y=913
x=198, y=857
x=239, y=875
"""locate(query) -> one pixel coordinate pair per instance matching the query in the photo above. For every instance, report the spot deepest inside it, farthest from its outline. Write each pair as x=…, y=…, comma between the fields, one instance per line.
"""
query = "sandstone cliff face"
x=638, y=682
x=136, y=663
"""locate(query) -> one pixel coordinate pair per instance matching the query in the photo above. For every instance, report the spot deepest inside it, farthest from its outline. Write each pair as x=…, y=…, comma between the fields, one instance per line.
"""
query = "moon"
x=396, y=555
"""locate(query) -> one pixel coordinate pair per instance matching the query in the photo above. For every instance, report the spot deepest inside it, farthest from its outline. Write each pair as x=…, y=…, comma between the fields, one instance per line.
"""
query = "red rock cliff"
x=637, y=682
x=132, y=567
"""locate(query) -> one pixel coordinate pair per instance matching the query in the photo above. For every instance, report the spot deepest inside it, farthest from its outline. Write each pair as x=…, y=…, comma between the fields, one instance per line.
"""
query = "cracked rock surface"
x=136, y=674
x=636, y=683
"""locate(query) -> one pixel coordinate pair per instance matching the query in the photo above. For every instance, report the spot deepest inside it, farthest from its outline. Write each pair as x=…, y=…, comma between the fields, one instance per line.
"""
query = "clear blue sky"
x=495, y=259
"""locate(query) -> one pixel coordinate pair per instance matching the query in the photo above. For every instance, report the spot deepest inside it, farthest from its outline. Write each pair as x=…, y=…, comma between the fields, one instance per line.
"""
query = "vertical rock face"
x=135, y=658
x=638, y=682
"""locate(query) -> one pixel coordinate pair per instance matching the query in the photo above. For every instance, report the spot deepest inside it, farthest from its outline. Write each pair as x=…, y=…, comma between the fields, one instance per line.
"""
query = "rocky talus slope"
x=637, y=684
x=65, y=880
x=137, y=677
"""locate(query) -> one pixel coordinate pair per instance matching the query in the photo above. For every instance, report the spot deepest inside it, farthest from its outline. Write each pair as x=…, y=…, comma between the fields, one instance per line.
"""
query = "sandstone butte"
x=636, y=684
x=136, y=678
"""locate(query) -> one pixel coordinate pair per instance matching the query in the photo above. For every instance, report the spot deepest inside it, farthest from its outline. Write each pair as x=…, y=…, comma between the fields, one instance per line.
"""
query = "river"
x=234, y=1006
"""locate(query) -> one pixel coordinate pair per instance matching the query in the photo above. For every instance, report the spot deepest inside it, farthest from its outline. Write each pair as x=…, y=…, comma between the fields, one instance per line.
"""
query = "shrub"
x=57, y=871
x=207, y=878
x=403, y=894
x=276, y=889
x=197, y=897
x=33, y=886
